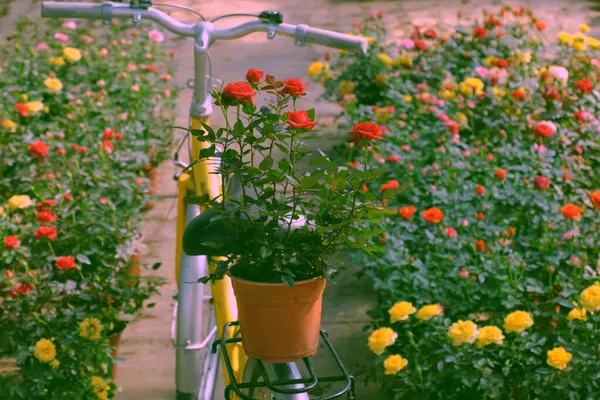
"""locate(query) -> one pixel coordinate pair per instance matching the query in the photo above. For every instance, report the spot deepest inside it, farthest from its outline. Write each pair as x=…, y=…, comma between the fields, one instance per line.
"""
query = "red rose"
x=254, y=75
x=24, y=288
x=519, y=94
x=541, y=182
x=430, y=33
x=46, y=204
x=119, y=136
x=38, y=149
x=586, y=86
x=502, y=63
x=11, y=242
x=107, y=146
x=419, y=44
x=545, y=128
x=238, y=92
x=480, y=190
x=540, y=26
x=393, y=158
x=300, y=120
x=22, y=109
x=355, y=164
x=83, y=149
x=501, y=174
x=366, y=131
x=45, y=217
x=68, y=197
x=64, y=263
x=571, y=211
x=46, y=232
x=452, y=127
x=60, y=152
x=8, y=273
x=391, y=185
x=480, y=32
x=294, y=87
x=108, y=133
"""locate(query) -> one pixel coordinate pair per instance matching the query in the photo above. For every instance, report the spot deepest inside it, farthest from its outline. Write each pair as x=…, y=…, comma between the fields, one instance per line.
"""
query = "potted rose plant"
x=286, y=213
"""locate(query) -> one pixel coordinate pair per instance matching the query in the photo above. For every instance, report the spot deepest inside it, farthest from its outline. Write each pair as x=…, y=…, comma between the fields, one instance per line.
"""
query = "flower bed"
x=83, y=123
x=487, y=275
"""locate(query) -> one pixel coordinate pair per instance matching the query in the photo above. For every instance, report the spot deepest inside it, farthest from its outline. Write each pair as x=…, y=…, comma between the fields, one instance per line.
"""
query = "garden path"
x=147, y=369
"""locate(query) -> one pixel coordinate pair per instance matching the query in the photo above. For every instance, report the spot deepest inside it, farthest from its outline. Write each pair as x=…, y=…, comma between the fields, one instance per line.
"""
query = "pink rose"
x=595, y=62
x=156, y=36
x=70, y=25
x=135, y=88
x=451, y=232
x=61, y=37
x=131, y=67
x=407, y=43
x=103, y=53
x=42, y=46
x=87, y=39
x=483, y=72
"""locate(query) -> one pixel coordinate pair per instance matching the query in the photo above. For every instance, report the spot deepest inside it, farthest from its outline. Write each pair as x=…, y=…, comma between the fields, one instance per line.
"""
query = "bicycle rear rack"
x=280, y=386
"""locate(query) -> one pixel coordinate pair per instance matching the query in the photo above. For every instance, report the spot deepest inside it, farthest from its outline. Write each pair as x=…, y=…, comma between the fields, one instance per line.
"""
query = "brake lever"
x=271, y=17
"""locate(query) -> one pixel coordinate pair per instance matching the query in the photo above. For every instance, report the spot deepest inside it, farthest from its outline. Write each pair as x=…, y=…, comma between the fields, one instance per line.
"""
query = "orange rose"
x=480, y=190
x=501, y=173
x=391, y=185
x=595, y=198
x=480, y=246
x=433, y=215
x=571, y=211
x=407, y=212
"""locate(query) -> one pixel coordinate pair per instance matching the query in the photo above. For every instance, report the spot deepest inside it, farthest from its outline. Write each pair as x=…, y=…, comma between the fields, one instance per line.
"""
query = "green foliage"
x=84, y=160
x=463, y=115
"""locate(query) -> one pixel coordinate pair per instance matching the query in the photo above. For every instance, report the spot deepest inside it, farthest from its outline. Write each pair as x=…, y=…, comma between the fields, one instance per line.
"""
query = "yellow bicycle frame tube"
x=223, y=298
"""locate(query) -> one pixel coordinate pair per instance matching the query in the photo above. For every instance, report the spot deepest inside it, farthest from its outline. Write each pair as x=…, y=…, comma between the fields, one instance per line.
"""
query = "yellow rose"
x=394, y=364
x=383, y=114
x=315, y=69
x=462, y=332
x=517, y=321
x=491, y=60
x=59, y=61
x=489, y=335
x=430, y=311
x=347, y=87
x=590, y=297
x=72, y=54
x=577, y=313
x=380, y=339
x=401, y=310
x=558, y=357
x=100, y=387
x=385, y=59
x=447, y=94
x=593, y=42
x=565, y=38
x=579, y=41
x=370, y=39
x=406, y=61
x=16, y=201
x=90, y=328
x=24, y=97
x=499, y=93
x=381, y=79
x=54, y=364
x=524, y=56
x=53, y=84
x=534, y=38
x=584, y=28
x=10, y=126
x=461, y=117
x=2, y=213
x=44, y=351
x=34, y=107
x=471, y=85
x=407, y=99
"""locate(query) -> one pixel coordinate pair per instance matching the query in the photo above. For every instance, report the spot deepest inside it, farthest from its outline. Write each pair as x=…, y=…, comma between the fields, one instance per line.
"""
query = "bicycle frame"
x=186, y=330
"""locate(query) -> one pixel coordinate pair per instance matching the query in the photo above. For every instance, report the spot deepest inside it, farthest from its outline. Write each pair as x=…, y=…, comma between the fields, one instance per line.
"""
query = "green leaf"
x=311, y=114
x=208, y=152
x=266, y=164
x=156, y=266
x=83, y=259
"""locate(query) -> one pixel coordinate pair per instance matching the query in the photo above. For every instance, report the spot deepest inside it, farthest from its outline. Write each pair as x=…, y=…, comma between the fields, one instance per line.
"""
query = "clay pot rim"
x=272, y=284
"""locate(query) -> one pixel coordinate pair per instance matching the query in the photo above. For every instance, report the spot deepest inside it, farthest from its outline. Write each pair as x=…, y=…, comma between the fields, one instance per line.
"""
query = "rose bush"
x=494, y=245
x=83, y=123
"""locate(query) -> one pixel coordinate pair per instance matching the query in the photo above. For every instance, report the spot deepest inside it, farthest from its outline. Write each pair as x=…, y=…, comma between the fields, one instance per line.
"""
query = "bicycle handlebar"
x=107, y=11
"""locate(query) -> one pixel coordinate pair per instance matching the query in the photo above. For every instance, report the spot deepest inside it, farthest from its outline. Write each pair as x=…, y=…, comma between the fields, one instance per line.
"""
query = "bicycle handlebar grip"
x=54, y=9
x=337, y=40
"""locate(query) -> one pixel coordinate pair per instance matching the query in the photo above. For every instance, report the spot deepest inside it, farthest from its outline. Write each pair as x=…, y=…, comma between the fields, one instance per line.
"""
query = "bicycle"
x=192, y=328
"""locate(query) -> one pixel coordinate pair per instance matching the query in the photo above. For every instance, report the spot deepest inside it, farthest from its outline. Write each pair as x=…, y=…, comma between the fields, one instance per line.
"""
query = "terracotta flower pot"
x=115, y=341
x=279, y=324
